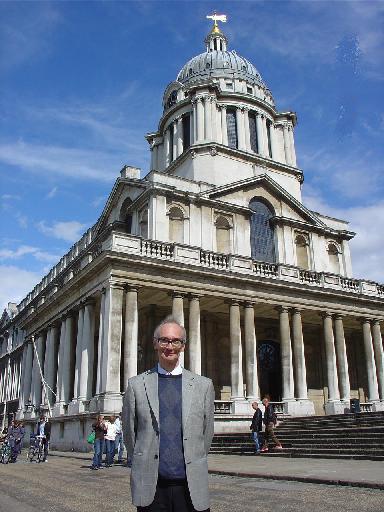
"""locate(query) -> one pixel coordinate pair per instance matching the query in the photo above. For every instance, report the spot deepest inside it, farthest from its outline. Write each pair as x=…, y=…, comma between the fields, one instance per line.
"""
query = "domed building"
x=216, y=234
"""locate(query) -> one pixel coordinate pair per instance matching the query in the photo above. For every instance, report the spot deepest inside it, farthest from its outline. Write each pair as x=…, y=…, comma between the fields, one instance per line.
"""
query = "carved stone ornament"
x=193, y=154
x=213, y=151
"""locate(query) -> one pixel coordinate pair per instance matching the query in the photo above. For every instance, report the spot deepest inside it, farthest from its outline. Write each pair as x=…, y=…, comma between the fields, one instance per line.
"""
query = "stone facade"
x=217, y=234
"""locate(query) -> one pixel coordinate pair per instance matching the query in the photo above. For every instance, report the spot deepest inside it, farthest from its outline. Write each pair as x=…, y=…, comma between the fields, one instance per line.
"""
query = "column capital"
x=194, y=296
x=325, y=314
x=282, y=309
x=233, y=302
x=365, y=320
x=222, y=106
x=176, y=294
x=338, y=316
x=249, y=304
x=89, y=301
x=131, y=287
x=296, y=310
x=376, y=321
x=116, y=285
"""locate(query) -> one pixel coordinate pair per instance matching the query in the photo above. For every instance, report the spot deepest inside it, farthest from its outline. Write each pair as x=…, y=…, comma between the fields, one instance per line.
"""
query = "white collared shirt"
x=178, y=370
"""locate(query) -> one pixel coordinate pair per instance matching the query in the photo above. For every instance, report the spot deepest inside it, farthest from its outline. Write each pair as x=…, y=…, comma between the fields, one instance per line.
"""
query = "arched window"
x=302, y=259
x=262, y=233
x=333, y=256
x=143, y=223
x=126, y=215
x=223, y=235
x=176, y=225
x=186, y=131
x=231, y=128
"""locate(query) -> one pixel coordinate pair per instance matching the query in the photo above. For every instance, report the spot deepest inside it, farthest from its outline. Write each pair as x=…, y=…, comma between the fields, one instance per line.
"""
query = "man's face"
x=255, y=405
x=169, y=354
x=265, y=402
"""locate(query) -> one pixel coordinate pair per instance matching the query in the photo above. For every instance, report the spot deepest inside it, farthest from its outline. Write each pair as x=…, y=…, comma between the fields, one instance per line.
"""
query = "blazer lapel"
x=151, y=389
x=187, y=386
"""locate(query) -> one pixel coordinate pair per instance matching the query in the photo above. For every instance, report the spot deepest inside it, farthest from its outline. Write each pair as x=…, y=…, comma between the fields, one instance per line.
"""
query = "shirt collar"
x=176, y=371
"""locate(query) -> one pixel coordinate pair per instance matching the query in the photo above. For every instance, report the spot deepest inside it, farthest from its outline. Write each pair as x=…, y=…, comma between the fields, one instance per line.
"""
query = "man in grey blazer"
x=168, y=429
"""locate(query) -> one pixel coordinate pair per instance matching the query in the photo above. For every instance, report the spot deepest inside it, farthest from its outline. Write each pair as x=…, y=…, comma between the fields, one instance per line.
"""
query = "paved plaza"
x=66, y=484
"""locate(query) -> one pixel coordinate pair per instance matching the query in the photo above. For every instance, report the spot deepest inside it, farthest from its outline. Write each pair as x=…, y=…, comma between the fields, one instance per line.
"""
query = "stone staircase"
x=344, y=436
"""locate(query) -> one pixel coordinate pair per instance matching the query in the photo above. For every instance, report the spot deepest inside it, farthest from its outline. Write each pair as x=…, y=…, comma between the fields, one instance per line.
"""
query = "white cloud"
x=367, y=248
x=70, y=231
x=16, y=283
x=52, y=193
x=10, y=197
x=23, y=250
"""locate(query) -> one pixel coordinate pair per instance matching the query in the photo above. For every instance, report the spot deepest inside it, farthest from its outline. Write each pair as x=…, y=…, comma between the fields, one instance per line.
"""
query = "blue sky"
x=82, y=82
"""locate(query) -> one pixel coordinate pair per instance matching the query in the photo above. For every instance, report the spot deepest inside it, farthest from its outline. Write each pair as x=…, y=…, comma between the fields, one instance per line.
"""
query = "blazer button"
x=156, y=456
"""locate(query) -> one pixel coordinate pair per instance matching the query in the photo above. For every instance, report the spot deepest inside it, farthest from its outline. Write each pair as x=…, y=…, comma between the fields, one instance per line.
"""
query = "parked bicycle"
x=36, y=448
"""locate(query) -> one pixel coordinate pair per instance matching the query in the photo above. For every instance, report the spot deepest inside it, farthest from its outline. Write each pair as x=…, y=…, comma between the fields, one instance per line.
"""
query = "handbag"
x=91, y=438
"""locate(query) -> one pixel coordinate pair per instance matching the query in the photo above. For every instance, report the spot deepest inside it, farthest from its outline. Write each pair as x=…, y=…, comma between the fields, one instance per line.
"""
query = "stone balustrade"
x=90, y=247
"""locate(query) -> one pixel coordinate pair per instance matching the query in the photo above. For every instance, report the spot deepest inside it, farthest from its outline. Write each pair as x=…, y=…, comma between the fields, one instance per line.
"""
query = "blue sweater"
x=171, y=455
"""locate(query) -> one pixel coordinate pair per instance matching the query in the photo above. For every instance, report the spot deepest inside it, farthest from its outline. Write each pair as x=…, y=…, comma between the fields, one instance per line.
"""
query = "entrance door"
x=268, y=358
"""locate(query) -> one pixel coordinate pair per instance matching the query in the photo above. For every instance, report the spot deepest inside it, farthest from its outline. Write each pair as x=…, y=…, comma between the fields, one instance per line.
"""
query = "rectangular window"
x=186, y=131
x=231, y=128
x=269, y=138
x=229, y=85
x=170, y=143
x=253, y=132
x=249, y=90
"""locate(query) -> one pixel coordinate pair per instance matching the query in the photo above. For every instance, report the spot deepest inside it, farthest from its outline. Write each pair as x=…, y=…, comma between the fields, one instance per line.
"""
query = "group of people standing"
x=269, y=420
x=108, y=440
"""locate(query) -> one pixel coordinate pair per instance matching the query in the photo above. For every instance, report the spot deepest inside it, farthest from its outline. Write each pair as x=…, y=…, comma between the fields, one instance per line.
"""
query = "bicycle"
x=5, y=452
x=36, y=448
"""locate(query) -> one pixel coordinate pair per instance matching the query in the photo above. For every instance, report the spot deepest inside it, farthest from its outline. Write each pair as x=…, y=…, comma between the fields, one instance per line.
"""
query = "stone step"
x=316, y=453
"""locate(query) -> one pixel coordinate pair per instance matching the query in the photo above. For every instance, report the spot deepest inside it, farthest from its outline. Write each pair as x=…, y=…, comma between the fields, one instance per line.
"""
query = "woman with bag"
x=100, y=429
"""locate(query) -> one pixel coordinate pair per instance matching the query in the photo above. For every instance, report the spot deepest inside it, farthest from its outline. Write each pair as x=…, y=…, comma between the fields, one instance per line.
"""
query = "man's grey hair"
x=169, y=320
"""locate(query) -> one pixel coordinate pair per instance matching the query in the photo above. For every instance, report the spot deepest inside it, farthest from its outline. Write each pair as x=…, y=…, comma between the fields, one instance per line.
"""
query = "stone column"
x=298, y=356
x=260, y=135
x=88, y=351
x=194, y=335
x=292, y=147
x=208, y=118
x=194, y=122
x=342, y=361
x=131, y=335
x=251, y=377
x=167, y=147
x=47, y=358
x=247, y=134
x=27, y=380
x=68, y=359
x=173, y=126
x=51, y=362
x=286, y=355
x=379, y=356
x=330, y=355
x=216, y=122
x=273, y=142
x=200, y=119
x=99, y=376
x=373, y=390
x=79, y=351
x=60, y=367
x=240, y=129
x=178, y=314
x=286, y=144
x=38, y=363
x=179, y=136
x=237, y=389
x=224, y=130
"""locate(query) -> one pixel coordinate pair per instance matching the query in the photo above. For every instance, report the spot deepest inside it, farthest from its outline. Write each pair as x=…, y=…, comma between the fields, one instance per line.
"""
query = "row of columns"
x=66, y=352
x=208, y=122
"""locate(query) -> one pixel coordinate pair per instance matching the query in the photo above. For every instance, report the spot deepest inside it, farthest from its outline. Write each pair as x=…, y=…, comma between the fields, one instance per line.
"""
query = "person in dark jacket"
x=16, y=434
x=256, y=425
x=270, y=420
x=100, y=429
x=44, y=430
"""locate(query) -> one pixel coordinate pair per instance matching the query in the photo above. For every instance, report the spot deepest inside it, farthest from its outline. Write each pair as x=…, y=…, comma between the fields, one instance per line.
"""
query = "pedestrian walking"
x=168, y=429
x=100, y=430
x=256, y=425
x=110, y=438
x=119, y=446
x=270, y=420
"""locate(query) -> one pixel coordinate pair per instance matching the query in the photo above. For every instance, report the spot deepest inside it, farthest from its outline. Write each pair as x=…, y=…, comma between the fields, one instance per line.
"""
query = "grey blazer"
x=141, y=431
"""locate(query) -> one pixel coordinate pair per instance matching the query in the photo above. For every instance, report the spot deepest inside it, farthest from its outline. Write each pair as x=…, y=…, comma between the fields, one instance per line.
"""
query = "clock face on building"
x=172, y=99
x=268, y=356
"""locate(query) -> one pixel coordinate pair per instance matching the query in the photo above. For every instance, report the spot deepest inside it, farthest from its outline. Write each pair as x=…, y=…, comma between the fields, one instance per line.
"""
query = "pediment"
x=265, y=182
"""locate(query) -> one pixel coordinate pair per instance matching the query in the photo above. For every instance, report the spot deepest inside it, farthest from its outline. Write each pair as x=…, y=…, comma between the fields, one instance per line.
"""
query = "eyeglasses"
x=175, y=342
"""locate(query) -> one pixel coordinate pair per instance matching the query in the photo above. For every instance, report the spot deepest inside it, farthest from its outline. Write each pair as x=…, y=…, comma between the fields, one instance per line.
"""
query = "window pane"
x=253, y=133
x=222, y=240
x=171, y=143
x=231, y=128
x=176, y=230
x=302, y=256
x=186, y=131
x=262, y=234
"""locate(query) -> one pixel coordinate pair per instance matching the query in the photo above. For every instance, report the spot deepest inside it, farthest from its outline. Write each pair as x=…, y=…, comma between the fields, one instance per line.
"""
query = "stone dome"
x=217, y=63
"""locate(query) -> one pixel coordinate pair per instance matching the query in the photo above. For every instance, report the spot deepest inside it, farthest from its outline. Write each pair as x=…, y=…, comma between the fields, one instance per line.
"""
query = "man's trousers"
x=170, y=497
